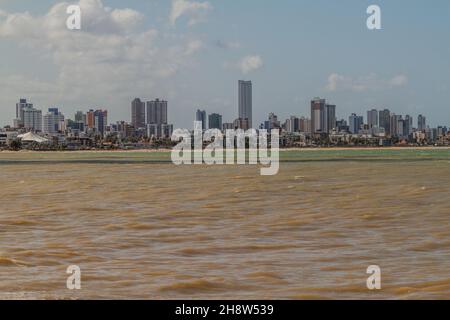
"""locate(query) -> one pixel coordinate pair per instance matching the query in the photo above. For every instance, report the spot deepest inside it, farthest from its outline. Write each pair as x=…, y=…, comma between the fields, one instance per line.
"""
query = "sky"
x=192, y=53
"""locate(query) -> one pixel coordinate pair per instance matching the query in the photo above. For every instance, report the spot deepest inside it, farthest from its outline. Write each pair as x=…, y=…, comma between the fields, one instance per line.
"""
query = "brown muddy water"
x=143, y=228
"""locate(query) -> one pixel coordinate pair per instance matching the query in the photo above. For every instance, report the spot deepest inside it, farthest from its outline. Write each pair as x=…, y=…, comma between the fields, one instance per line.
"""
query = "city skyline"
x=140, y=115
x=322, y=118
x=193, y=57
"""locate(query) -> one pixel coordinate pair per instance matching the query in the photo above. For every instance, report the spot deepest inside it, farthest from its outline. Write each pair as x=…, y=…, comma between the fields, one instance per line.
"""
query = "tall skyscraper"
x=157, y=119
x=396, y=129
x=272, y=122
x=372, y=118
x=201, y=117
x=90, y=119
x=329, y=122
x=100, y=121
x=304, y=125
x=215, y=121
x=157, y=112
x=408, y=125
x=79, y=116
x=97, y=120
x=317, y=115
x=137, y=113
x=293, y=124
x=52, y=121
x=355, y=122
x=421, y=123
x=245, y=101
x=385, y=121
x=32, y=119
x=20, y=106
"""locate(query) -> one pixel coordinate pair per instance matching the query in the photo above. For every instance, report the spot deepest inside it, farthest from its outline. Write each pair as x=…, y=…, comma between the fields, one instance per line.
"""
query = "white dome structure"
x=32, y=137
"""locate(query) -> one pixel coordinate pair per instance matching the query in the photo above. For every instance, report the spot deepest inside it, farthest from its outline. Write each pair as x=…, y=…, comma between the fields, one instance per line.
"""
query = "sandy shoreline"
x=281, y=150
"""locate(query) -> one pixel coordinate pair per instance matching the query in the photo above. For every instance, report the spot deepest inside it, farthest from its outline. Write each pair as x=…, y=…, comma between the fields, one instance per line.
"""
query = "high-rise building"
x=215, y=121
x=408, y=126
x=157, y=119
x=52, y=121
x=200, y=116
x=159, y=130
x=97, y=120
x=400, y=128
x=245, y=102
x=396, y=129
x=138, y=113
x=32, y=119
x=272, y=123
x=355, y=122
x=157, y=112
x=20, y=106
x=304, y=125
x=421, y=123
x=227, y=126
x=241, y=124
x=293, y=124
x=308, y=125
x=100, y=121
x=329, y=121
x=55, y=111
x=80, y=116
x=372, y=118
x=317, y=115
x=90, y=119
x=342, y=126
x=384, y=121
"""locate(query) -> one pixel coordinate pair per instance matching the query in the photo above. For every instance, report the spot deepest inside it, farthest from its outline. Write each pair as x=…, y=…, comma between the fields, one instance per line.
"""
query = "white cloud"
x=399, y=80
x=337, y=82
x=227, y=44
x=193, y=46
x=250, y=63
x=194, y=10
x=112, y=57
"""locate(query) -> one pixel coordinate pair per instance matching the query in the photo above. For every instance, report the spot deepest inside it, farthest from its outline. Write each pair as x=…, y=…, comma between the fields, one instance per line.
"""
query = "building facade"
x=138, y=113
x=215, y=121
x=200, y=116
x=32, y=119
x=317, y=115
x=421, y=123
x=157, y=112
x=51, y=122
x=355, y=122
x=384, y=121
x=245, y=103
x=372, y=118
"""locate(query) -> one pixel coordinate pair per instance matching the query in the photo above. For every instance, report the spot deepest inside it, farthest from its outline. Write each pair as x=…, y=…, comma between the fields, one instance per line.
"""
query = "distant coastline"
x=165, y=150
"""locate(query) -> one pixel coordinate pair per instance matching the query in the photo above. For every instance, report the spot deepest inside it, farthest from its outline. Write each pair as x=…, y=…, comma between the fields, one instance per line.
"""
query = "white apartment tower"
x=32, y=119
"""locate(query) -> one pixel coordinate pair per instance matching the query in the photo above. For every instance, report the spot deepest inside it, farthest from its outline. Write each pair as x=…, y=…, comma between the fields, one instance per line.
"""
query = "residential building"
x=32, y=119
x=138, y=113
x=200, y=116
x=372, y=118
x=215, y=121
x=355, y=122
x=157, y=112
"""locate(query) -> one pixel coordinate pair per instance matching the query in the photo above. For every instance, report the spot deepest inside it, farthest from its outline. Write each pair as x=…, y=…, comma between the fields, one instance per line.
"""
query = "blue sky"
x=294, y=50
